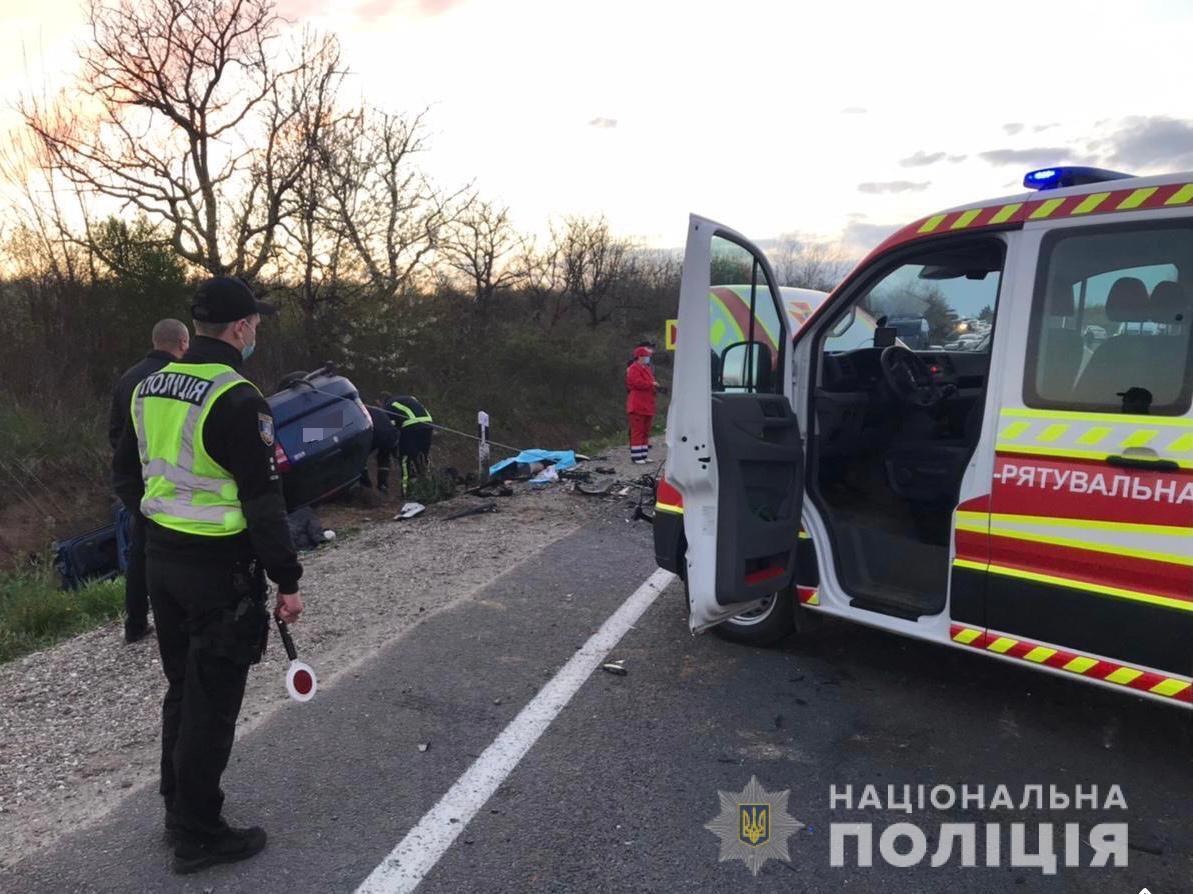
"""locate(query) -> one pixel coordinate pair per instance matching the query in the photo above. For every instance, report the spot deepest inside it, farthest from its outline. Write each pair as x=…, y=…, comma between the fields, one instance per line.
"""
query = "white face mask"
x=247, y=351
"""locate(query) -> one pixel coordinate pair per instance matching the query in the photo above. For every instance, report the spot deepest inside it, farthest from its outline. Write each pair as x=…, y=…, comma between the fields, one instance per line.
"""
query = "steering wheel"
x=908, y=377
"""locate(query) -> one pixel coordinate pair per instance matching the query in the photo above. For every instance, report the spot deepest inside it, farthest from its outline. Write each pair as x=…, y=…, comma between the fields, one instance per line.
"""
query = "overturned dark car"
x=322, y=435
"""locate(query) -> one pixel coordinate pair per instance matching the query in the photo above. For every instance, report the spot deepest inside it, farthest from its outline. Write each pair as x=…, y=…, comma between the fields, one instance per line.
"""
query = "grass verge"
x=35, y=612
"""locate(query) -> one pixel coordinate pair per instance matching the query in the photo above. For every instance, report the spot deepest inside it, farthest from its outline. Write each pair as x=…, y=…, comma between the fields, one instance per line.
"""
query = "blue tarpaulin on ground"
x=561, y=459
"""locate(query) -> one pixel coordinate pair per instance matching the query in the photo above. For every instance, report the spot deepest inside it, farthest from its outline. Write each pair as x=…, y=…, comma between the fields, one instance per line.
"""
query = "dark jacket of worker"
x=122, y=391
x=385, y=433
x=250, y=461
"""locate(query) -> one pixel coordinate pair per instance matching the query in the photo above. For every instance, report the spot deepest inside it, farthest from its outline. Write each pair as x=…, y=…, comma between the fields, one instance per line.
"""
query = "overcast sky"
x=835, y=120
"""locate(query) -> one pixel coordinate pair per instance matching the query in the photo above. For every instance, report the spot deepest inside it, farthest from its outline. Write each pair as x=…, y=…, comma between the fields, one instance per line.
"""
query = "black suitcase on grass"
x=93, y=556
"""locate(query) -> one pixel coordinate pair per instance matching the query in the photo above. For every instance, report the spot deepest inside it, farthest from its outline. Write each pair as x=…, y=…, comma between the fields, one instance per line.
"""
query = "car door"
x=1091, y=515
x=734, y=445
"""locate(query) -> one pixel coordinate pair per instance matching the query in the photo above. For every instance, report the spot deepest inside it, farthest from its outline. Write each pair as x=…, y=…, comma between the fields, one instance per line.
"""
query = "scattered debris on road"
x=409, y=510
x=472, y=510
x=615, y=667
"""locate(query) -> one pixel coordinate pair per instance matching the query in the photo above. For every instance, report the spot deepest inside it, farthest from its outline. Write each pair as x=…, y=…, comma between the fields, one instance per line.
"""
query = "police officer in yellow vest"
x=198, y=457
x=414, y=441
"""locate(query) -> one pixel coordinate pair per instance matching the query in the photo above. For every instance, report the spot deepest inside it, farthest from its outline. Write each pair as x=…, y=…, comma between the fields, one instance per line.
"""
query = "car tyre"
x=764, y=626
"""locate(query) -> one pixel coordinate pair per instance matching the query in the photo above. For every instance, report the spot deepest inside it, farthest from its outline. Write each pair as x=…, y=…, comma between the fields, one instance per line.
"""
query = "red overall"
x=640, y=408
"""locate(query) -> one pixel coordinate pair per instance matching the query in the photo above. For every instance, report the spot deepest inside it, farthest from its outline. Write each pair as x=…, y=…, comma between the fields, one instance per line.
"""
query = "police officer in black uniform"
x=208, y=592
x=170, y=341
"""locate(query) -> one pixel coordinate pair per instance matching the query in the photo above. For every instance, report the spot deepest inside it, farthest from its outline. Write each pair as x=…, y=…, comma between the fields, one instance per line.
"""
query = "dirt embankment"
x=79, y=722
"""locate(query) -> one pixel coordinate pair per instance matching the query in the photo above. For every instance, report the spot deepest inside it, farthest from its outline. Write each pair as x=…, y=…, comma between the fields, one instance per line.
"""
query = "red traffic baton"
x=301, y=682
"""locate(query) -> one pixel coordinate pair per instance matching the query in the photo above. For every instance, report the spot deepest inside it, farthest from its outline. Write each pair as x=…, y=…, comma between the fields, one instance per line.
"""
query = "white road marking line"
x=417, y=853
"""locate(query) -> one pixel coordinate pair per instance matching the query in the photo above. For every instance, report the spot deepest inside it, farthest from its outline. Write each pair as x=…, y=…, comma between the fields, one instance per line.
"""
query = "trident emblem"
x=755, y=824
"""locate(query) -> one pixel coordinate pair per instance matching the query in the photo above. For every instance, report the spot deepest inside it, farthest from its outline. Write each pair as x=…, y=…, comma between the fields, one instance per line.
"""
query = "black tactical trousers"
x=414, y=450
x=211, y=625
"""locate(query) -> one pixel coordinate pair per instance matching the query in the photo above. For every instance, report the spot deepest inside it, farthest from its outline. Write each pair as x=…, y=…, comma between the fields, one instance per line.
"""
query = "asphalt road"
x=616, y=793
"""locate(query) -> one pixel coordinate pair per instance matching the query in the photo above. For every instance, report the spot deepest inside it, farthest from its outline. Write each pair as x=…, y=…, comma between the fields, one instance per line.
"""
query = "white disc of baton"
x=301, y=682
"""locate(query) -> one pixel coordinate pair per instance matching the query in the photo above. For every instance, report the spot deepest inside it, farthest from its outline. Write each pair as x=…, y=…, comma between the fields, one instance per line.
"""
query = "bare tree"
x=381, y=202
x=183, y=114
x=595, y=266
x=482, y=247
x=542, y=281
x=809, y=265
x=312, y=255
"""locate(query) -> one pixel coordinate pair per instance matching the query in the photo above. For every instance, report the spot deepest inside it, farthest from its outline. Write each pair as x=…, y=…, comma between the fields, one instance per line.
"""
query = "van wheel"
x=765, y=625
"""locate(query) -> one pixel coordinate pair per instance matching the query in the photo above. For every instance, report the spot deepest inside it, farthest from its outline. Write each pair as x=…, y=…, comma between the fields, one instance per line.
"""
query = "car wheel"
x=765, y=625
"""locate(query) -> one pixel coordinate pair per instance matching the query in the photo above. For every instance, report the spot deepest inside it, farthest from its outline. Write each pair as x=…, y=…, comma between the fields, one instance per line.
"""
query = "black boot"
x=231, y=846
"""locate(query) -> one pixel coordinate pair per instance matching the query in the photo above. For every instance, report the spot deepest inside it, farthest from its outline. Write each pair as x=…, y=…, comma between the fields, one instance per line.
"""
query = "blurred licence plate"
x=322, y=426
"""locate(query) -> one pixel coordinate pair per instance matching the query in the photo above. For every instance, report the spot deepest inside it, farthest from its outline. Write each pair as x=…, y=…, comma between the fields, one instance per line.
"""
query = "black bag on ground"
x=305, y=529
x=93, y=556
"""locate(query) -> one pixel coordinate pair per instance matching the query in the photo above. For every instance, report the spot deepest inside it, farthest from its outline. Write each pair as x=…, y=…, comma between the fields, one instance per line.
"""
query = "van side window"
x=1110, y=324
x=745, y=328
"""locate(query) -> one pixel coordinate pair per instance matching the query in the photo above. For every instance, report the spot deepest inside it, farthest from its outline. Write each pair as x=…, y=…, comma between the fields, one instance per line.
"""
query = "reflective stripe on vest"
x=190, y=492
x=410, y=419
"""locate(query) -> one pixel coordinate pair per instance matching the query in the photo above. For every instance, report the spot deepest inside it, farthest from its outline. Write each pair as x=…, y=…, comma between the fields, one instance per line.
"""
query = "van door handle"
x=1150, y=463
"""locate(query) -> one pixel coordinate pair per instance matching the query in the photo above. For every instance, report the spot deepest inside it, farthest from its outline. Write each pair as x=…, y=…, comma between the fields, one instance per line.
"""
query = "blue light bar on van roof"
x=1056, y=178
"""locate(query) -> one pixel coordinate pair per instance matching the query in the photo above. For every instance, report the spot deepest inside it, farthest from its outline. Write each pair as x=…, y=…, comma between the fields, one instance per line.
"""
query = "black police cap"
x=225, y=299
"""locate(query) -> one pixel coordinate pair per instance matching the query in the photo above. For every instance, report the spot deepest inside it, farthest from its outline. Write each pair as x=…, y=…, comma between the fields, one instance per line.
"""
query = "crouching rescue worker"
x=198, y=456
x=385, y=445
x=414, y=440
x=640, y=403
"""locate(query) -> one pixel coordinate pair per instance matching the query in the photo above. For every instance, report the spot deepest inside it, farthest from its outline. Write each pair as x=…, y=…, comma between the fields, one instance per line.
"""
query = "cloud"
x=297, y=10
x=1043, y=155
x=854, y=110
x=435, y=7
x=1155, y=142
x=865, y=236
x=890, y=186
x=373, y=10
x=1013, y=128
x=957, y=158
x=1039, y=128
x=603, y=123
x=921, y=158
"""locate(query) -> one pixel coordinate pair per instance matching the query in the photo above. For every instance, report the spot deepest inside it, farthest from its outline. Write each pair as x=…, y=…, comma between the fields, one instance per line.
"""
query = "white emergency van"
x=1029, y=497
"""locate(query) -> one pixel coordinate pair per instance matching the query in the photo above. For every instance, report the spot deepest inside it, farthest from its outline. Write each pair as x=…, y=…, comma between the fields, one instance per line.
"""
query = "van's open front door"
x=733, y=440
